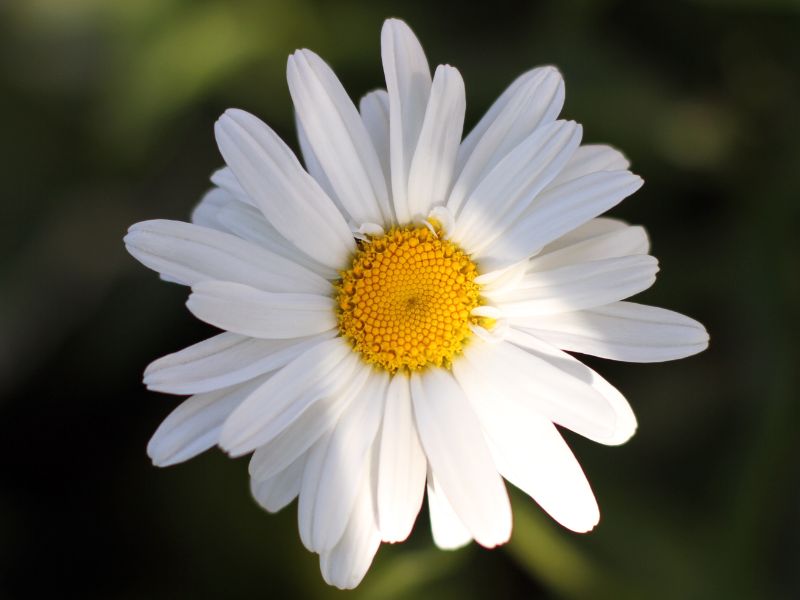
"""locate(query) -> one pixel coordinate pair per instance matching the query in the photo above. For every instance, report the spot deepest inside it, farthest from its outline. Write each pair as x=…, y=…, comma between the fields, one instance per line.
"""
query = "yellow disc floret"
x=406, y=300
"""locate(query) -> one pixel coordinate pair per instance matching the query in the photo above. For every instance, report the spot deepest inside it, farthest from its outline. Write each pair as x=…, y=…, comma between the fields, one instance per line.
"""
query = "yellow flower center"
x=406, y=300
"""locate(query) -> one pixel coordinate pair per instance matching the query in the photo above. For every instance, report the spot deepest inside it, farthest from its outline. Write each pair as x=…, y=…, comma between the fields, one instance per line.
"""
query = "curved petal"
x=194, y=426
x=320, y=372
x=316, y=420
x=223, y=360
x=447, y=529
x=451, y=436
x=625, y=419
x=245, y=310
x=290, y=198
x=313, y=165
x=628, y=241
x=408, y=82
x=431, y=172
x=275, y=493
x=346, y=457
x=621, y=331
x=374, y=109
x=531, y=454
x=191, y=254
x=557, y=211
x=534, y=99
x=401, y=465
x=589, y=159
x=338, y=137
x=345, y=565
x=540, y=386
x=577, y=286
x=501, y=197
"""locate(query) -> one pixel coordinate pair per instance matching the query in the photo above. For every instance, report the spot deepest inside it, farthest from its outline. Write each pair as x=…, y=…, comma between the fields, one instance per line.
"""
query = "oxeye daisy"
x=396, y=313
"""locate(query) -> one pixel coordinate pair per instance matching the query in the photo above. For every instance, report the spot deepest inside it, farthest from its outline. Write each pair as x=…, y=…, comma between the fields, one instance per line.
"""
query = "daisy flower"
x=396, y=314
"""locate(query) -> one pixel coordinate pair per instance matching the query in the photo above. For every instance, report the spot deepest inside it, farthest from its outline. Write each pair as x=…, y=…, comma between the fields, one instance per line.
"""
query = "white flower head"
x=396, y=313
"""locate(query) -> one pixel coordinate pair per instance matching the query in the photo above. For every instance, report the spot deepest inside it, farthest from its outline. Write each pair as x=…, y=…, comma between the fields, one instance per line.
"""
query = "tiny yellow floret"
x=406, y=300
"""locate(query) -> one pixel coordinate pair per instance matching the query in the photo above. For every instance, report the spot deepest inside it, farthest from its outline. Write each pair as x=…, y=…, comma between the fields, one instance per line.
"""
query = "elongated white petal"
x=589, y=159
x=431, y=172
x=408, y=82
x=374, y=109
x=531, y=454
x=291, y=200
x=338, y=137
x=223, y=360
x=625, y=419
x=345, y=565
x=622, y=331
x=245, y=310
x=533, y=382
x=319, y=372
x=628, y=241
x=190, y=253
x=451, y=436
x=534, y=99
x=194, y=426
x=507, y=191
x=557, y=211
x=402, y=465
x=448, y=531
x=249, y=224
x=576, y=287
x=226, y=180
x=592, y=228
x=313, y=165
x=317, y=419
x=275, y=493
x=346, y=457
x=206, y=212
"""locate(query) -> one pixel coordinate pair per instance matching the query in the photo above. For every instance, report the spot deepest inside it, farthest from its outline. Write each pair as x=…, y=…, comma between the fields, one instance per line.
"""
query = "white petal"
x=625, y=419
x=190, y=253
x=374, y=108
x=533, y=382
x=223, y=360
x=534, y=99
x=345, y=565
x=402, y=465
x=531, y=454
x=212, y=202
x=627, y=241
x=194, y=426
x=318, y=373
x=453, y=442
x=316, y=420
x=575, y=287
x=275, y=493
x=290, y=198
x=227, y=181
x=448, y=531
x=408, y=82
x=313, y=165
x=346, y=456
x=431, y=169
x=248, y=311
x=590, y=229
x=557, y=211
x=249, y=224
x=505, y=193
x=622, y=331
x=338, y=137
x=591, y=158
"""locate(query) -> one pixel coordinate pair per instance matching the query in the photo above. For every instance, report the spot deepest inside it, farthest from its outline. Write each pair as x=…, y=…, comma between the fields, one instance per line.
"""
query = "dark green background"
x=107, y=113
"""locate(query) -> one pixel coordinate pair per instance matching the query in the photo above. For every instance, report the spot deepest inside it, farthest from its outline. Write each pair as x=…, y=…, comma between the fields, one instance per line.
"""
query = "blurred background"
x=108, y=108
